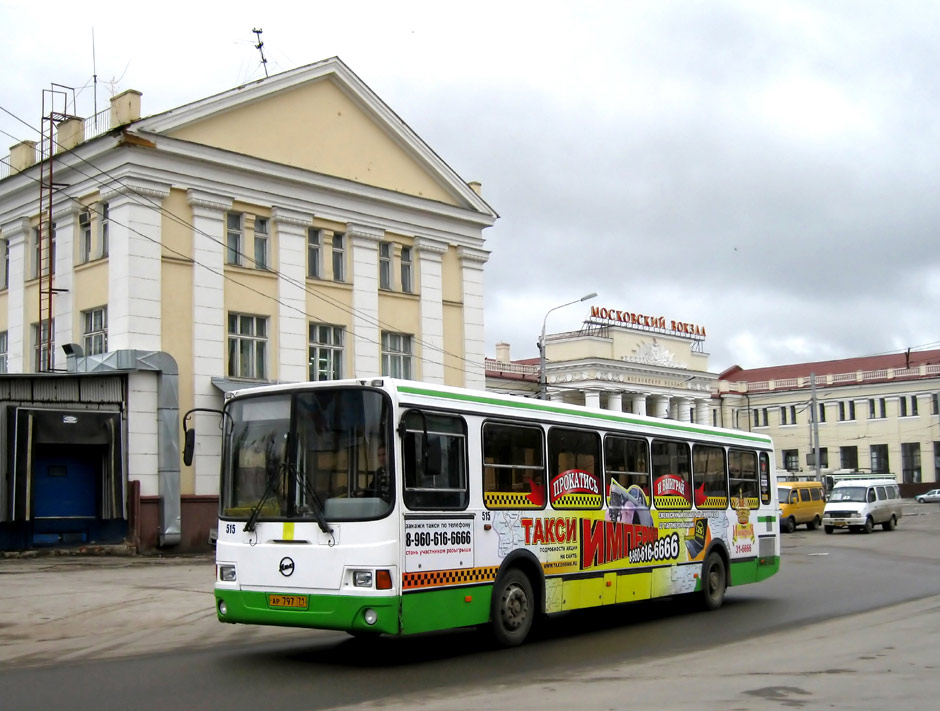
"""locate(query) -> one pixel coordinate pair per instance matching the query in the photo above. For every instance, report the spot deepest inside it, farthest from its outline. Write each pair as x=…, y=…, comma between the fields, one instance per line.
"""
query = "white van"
x=862, y=504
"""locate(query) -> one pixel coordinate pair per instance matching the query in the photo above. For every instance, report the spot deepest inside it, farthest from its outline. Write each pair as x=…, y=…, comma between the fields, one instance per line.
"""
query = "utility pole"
x=815, y=420
x=264, y=62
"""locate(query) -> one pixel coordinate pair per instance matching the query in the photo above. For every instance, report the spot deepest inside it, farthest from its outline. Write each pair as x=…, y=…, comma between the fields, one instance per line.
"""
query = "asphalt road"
x=142, y=634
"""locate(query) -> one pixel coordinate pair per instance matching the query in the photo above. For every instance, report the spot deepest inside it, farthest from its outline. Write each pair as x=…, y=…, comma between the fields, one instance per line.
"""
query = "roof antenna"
x=264, y=62
x=94, y=74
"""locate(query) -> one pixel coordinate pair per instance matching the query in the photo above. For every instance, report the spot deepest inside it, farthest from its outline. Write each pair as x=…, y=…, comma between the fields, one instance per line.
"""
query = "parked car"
x=928, y=497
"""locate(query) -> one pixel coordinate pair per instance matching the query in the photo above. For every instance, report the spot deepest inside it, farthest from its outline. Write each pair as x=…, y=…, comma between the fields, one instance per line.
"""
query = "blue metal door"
x=64, y=487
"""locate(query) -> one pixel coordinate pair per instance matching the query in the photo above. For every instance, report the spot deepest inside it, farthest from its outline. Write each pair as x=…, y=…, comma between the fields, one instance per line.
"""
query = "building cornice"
x=208, y=201
x=287, y=216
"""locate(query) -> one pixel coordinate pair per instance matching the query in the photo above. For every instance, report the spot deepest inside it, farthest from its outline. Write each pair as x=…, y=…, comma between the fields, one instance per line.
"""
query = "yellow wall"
x=455, y=367
x=177, y=235
x=318, y=127
x=451, y=274
x=176, y=338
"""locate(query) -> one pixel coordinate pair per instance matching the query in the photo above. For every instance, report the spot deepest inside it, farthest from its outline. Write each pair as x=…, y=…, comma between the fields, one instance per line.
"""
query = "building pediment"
x=324, y=119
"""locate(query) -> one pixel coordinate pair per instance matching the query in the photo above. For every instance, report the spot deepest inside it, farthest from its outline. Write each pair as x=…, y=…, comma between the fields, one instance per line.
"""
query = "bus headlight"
x=223, y=608
x=370, y=616
x=227, y=573
x=362, y=578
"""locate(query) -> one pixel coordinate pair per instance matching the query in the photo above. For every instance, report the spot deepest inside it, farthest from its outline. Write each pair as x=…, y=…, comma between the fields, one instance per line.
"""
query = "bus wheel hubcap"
x=515, y=606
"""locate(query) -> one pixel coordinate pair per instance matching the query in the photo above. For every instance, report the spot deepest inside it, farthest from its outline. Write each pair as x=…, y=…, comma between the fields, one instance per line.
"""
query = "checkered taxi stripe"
x=672, y=502
x=508, y=500
x=578, y=501
x=751, y=502
x=714, y=502
x=443, y=578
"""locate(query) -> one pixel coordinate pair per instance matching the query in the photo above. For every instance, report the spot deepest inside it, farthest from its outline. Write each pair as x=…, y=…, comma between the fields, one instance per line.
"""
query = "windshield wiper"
x=256, y=509
x=317, y=506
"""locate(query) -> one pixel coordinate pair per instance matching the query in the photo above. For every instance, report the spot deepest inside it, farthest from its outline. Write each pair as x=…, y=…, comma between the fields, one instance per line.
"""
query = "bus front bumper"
x=328, y=612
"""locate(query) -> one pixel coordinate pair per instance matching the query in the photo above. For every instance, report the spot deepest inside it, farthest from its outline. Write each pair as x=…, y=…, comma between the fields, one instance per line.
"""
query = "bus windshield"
x=308, y=455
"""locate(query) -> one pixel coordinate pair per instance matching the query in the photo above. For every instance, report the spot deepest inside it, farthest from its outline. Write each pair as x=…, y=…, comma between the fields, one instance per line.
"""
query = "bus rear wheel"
x=513, y=608
x=714, y=581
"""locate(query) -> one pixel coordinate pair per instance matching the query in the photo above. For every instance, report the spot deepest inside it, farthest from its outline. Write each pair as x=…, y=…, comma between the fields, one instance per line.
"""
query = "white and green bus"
x=393, y=507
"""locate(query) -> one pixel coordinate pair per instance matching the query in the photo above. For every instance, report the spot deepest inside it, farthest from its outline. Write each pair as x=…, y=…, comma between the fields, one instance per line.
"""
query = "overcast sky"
x=768, y=170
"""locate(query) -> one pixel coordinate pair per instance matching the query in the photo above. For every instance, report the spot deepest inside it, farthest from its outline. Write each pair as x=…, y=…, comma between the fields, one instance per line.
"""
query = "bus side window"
x=514, y=469
x=434, y=448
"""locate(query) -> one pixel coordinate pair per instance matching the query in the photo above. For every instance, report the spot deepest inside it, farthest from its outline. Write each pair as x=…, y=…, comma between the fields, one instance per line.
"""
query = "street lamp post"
x=542, y=384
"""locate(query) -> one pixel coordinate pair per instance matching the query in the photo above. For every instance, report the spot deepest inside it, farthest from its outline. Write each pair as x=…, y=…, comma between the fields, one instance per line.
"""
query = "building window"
x=848, y=457
x=936, y=461
x=879, y=459
x=910, y=462
x=822, y=413
x=757, y=418
x=909, y=406
x=326, y=352
x=788, y=415
x=95, y=324
x=406, y=266
x=37, y=254
x=396, y=355
x=339, y=257
x=5, y=272
x=934, y=404
x=233, y=238
x=385, y=265
x=314, y=268
x=847, y=411
x=105, y=228
x=84, y=237
x=44, y=345
x=791, y=459
x=247, y=346
x=3, y=351
x=261, y=243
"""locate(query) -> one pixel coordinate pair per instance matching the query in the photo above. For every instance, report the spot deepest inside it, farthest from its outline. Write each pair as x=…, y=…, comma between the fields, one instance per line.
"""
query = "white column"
x=660, y=406
x=209, y=330
x=615, y=402
x=702, y=412
x=430, y=269
x=15, y=233
x=291, y=281
x=684, y=409
x=639, y=404
x=63, y=299
x=367, y=336
x=471, y=272
x=134, y=265
x=592, y=398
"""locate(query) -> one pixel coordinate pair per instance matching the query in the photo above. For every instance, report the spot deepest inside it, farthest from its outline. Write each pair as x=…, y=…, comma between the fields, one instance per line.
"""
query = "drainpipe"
x=168, y=442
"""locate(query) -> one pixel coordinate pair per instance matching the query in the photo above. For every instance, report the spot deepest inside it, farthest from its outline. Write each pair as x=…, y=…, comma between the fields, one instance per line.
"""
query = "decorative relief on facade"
x=654, y=354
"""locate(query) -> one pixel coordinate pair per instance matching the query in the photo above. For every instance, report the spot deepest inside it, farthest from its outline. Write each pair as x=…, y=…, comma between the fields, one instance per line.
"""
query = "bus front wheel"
x=513, y=608
x=714, y=581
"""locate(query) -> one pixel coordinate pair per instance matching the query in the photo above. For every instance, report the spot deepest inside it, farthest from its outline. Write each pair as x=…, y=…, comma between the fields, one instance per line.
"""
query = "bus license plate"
x=292, y=601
